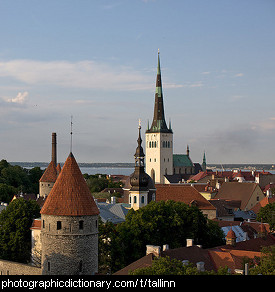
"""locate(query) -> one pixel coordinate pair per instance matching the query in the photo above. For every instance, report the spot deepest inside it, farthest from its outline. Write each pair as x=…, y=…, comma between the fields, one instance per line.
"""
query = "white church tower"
x=159, y=139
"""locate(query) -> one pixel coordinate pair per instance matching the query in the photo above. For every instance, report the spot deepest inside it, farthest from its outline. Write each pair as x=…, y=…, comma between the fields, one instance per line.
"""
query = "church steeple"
x=159, y=124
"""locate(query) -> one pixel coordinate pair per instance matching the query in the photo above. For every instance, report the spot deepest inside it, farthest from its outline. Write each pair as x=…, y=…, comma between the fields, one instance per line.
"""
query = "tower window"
x=142, y=199
x=95, y=223
x=81, y=224
x=80, y=266
x=49, y=266
x=43, y=224
x=135, y=199
x=58, y=225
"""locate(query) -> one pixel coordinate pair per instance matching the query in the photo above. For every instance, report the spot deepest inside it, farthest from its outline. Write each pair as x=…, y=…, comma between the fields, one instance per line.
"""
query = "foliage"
x=158, y=223
x=14, y=179
x=266, y=264
x=168, y=266
x=267, y=214
x=15, y=223
x=98, y=182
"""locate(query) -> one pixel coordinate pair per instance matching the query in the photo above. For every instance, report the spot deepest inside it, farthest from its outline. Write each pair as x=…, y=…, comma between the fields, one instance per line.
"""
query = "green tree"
x=168, y=266
x=6, y=192
x=165, y=222
x=266, y=264
x=267, y=214
x=15, y=223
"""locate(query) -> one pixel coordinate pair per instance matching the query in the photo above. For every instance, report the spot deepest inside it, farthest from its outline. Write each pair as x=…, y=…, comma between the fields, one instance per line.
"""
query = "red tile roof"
x=265, y=201
x=70, y=195
x=182, y=193
x=50, y=174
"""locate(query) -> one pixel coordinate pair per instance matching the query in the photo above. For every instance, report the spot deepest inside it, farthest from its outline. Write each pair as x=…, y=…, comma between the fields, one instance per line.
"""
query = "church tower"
x=159, y=139
x=69, y=225
x=139, y=180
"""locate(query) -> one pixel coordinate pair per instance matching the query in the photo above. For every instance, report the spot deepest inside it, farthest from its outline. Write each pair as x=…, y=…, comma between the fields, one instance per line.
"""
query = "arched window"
x=135, y=199
x=150, y=144
x=168, y=144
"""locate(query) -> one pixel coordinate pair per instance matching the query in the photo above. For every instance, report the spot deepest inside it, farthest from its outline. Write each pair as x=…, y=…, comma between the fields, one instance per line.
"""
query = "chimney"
x=165, y=247
x=113, y=200
x=189, y=242
x=54, y=155
x=200, y=266
x=154, y=249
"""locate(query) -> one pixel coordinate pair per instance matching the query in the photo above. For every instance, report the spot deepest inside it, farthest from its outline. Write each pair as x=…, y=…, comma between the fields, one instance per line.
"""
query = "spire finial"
x=71, y=146
x=139, y=123
x=158, y=51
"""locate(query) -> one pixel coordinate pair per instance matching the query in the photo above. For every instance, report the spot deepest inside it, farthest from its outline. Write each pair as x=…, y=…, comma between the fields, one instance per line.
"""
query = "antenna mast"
x=71, y=146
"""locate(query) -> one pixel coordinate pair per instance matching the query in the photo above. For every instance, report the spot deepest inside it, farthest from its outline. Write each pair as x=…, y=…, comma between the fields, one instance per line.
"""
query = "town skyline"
x=97, y=61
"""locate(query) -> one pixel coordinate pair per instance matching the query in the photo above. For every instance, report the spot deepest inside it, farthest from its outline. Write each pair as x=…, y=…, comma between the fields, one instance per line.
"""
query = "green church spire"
x=159, y=123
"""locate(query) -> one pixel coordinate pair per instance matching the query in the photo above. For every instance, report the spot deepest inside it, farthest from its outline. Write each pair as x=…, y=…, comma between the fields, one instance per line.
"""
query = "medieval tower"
x=159, y=139
x=69, y=225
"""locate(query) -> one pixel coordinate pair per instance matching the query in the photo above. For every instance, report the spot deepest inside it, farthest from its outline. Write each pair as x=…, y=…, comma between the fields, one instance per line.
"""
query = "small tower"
x=159, y=139
x=69, y=225
x=139, y=180
x=203, y=166
x=231, y=237
x=49, y=176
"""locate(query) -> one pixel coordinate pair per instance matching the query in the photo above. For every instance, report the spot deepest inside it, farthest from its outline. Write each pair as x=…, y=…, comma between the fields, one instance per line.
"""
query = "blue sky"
x=96, y=60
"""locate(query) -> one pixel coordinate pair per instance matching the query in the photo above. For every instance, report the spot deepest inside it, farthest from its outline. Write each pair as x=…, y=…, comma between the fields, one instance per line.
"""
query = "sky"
x=96, y=60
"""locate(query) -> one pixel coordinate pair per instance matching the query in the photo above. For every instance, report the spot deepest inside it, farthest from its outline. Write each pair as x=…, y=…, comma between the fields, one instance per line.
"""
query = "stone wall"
x=14, y=268
x=68, y=247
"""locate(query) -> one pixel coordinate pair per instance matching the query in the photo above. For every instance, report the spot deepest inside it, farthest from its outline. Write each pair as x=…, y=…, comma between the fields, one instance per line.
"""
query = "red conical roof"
x=231, y=234
x=70, y=195
x=50, y=174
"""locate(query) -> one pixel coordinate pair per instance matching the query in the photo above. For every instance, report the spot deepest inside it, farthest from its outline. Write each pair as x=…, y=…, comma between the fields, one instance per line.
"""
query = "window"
x=80, y=266
x=49, y=266
x=130, y=200
x=58, y=225
x=95, y=223
x=135, y=199
x=142, y=199
x=43, y=224
x=81, y=224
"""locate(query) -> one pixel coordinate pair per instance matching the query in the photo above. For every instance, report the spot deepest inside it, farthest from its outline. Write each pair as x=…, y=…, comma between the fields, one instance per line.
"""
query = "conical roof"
x=50, y=174
x=70, y=195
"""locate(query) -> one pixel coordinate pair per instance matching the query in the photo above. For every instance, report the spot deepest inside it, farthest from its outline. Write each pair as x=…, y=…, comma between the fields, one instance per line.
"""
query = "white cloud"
x=20, y=98
x=239, y=75
x=82, y=74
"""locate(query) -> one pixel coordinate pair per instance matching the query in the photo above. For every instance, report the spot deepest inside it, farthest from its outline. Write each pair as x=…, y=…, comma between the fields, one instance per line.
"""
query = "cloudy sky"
x=96, y=60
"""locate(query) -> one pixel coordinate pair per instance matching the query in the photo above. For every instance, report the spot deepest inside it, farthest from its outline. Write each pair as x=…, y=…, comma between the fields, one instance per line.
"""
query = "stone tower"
x=49, y=176
x=139, y=180
x=69, y=225
x=159, y=139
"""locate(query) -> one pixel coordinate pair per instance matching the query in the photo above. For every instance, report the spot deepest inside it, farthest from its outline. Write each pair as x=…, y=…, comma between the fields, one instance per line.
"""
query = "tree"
x=165, y=222
x=266, y=264
x=15, y=223
x=168, y=266
x=267, y=214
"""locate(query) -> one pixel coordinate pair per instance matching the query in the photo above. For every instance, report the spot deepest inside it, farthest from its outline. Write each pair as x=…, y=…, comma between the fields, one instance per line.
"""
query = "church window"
x=155, y=144
x=142, y=199
x=150, y=144
x=168, y=144
x=58, y=225
x=163, y=144
x=135, y=199
x=81, y=224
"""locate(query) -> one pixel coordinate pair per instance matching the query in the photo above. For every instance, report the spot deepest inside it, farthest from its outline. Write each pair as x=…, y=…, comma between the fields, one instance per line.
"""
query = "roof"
x=114, y=213
x=237, y=191
x=36, y=224
x=180, y=160
x=143, y=262
x=70, y=195
x=182, y=193
x=50, y=174
x=265, y=201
